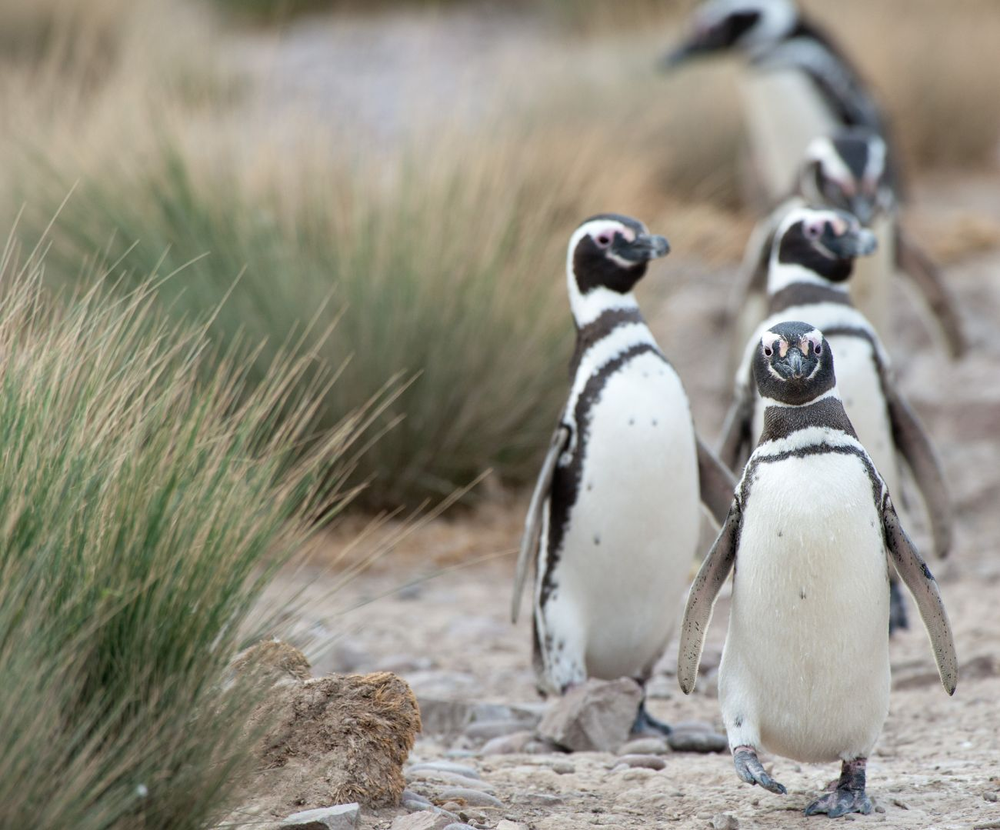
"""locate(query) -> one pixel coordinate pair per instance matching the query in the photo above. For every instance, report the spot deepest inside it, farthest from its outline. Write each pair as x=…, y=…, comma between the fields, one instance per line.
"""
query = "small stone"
x=991, y=797
x=421, y=821
x=474, y=798
x=697, y=742
x=341, y=817
x=596, y=715
x=449, y=778
x=508, y=744
x=539, y=799
x=509, y=825
x=446, y=766
x=644, y=761
x=563, y=768
x=879, y=808
x=725, y=821
x=646, y=746
x=900, y=803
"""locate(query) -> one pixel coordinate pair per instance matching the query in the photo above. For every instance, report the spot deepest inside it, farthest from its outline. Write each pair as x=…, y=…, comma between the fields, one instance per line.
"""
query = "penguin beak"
x=852, y=243
x=792, y=365
x=642, y=249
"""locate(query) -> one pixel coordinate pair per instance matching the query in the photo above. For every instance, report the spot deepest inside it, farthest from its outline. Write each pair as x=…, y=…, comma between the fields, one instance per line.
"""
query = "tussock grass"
x=142, y=511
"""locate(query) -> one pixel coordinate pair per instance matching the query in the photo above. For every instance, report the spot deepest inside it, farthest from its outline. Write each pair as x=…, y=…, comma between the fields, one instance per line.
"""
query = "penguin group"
x=804, y=483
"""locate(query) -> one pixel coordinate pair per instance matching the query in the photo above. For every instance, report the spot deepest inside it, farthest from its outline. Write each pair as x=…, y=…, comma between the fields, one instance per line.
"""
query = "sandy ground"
x=435, y=608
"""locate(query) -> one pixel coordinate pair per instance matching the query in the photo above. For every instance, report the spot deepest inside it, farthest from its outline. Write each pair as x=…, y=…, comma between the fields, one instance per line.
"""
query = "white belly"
x=805, y=669
x=783, y=114
x=633, y=532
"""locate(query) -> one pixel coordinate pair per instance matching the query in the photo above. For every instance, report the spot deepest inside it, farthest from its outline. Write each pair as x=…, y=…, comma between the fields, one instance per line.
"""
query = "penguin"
x=809, y=274
x=849, y=171
x=801, y=84
x=613, y=522
x=805, y=666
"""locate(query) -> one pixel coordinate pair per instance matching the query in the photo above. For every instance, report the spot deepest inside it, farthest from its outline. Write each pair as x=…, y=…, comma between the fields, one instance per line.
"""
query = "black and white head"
x=749, y=25
x=849, y=171
x=817, y=245
x=607, y=255
x=793, y=364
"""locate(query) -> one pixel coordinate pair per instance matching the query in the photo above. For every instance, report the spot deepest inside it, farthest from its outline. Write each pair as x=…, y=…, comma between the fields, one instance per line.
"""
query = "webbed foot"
x=849, y=795
x=897, y=608
x=646, y=724
x=749, y=768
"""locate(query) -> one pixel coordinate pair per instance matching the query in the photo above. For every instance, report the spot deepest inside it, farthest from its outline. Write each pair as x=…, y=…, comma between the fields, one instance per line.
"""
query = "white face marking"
x=821, y=150
x=588, y=307
x=777, y=18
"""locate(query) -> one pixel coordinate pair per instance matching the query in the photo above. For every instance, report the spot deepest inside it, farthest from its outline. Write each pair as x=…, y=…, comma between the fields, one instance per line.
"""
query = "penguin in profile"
x=613, y=523
x=805, y=667
x=849, y=171
x=811, y=260
x=801, y=85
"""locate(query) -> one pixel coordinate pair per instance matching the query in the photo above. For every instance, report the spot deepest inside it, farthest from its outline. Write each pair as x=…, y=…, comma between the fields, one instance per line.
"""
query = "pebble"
x=538, y=799
x=450, y=778
x=725, y=821
x=447, y=766
x=644, y=761
x=421, y=821
x=595, y=715
x=341, y=817
x=413, y=803
x=563, y=768
x=645, y=746
x=991, y=797
x=507, y=744
x=474, y=798
x=509, y=825
x=697, y=742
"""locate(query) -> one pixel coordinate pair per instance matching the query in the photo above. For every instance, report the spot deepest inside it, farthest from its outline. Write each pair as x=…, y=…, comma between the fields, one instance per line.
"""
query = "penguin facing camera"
x=805, y=668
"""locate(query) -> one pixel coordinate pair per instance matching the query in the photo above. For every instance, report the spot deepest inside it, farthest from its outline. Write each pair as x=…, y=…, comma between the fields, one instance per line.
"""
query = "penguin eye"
x=768, y=351
x=603, y=240
x=812, y=231
x=818, y=349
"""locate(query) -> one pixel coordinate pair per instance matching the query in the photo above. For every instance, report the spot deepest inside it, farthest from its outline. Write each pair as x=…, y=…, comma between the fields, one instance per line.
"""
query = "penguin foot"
x=646, y=724
x=849, y=795
x=749, y=768
x=897, y=609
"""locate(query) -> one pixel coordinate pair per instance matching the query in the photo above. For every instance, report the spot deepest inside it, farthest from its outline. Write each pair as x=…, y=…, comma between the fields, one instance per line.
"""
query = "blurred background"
x=345, y=224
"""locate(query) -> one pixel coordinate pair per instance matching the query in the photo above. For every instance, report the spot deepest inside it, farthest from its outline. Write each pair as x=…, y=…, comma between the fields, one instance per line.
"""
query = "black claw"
x=749, y=768
x=645, y=723
x=848, y=797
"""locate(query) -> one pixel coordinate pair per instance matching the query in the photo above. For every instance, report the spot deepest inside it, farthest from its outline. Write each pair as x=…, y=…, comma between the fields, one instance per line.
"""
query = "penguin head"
x=818, y=245
x=848, y=171
x=718, y=25
x=793, y=364
x=611, y=252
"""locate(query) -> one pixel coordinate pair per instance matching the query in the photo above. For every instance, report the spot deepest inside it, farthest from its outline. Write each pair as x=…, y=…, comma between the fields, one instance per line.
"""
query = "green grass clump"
x=449, y=274
x=143, y=509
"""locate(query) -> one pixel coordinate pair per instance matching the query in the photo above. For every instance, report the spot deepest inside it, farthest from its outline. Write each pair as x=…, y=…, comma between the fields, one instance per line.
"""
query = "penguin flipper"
x=716, y=483
x=913, y=443
x=737, y=427
x=533, y=521
x=914, y=572
x=701, y=599
x=924, y=273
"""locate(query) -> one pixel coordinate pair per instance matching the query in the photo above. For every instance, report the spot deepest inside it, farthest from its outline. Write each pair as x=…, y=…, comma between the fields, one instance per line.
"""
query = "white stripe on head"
x=821, y=150
x=777, y=19
x=588, y=307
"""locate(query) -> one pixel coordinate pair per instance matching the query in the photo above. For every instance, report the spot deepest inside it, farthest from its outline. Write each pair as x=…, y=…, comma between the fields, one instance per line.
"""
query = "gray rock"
x=643, y=761
x=725, y=821
x=421, y=821
x=563, y=768
x=474, y=798
x=450, y=778
x=595, y=716
x=697, y=742
x=341, y=817
x=991, y=797
x=646, y=746
x=446, y=766
x=412, y=802
x=508, y=744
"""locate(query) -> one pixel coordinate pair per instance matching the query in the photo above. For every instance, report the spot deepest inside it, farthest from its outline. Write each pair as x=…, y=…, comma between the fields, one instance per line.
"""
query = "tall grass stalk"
x=143, y=508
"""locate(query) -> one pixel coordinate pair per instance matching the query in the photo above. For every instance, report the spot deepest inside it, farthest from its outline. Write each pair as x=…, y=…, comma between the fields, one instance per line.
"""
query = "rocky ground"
x=436, y=611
